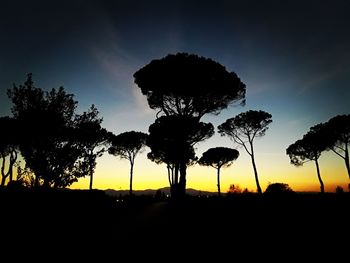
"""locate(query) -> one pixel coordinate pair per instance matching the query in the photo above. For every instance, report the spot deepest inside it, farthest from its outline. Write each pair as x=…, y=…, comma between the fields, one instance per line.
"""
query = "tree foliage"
x=244, y=128
x=337, y=134
x=219, y=157
x=189, y=85
x=92, y=139
x=50, y=146
x=309, y=148
x=172, y=139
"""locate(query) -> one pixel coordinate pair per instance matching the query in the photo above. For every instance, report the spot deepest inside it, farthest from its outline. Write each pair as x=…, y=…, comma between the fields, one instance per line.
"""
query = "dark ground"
x=92, y=223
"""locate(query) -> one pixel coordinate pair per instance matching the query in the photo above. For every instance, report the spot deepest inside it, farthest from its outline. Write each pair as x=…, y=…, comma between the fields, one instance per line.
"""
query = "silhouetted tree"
x=188, y=85
x=219, y=157
x=92, y=138
x=278, y=188
x=9, y=142
x=48, y=146
x=243, y=129
x=174, y=146
x=127, y=145
x=337, y=133
x=309, y=148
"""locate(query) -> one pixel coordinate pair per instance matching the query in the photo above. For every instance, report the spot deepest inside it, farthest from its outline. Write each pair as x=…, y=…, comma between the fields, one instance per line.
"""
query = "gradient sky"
x=294, y=57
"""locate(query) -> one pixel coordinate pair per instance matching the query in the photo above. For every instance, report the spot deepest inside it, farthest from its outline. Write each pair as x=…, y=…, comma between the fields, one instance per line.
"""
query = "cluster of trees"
x=333, y=135
x=59, y=145
x=183, y=88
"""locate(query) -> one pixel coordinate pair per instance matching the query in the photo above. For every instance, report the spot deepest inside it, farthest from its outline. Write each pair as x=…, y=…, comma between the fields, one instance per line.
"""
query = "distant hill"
x=165, y=190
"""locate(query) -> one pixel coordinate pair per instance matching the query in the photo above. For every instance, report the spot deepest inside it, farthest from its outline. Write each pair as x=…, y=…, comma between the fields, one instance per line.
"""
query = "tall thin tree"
x=243, y=129
x=92, y=139
x=309, y=148
x=127, y=145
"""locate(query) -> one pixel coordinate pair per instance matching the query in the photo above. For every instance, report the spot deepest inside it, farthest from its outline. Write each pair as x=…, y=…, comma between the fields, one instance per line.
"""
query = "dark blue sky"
x=294, y=56
x=280, y=48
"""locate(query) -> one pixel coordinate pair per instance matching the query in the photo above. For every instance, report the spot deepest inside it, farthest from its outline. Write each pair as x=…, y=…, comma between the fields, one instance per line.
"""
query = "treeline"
x=59, y=145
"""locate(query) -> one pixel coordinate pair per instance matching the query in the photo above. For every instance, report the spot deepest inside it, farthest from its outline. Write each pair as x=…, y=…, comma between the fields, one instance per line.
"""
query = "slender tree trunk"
x=3, y=176
x=3, y=181
x=254, y=167
x=174, y=189
x=219, y=192
x=319, y=176
x=347, y=163
x=131, y=174
x=91, y=172
x=176, y=173
x=11, y=173
x=13, y=159
x=169, y=175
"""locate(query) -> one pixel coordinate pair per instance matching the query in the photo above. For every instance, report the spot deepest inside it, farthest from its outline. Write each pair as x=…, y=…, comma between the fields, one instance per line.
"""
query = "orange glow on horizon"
x=113, y=173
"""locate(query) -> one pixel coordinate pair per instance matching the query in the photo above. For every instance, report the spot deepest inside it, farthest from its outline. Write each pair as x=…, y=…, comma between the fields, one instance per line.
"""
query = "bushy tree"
x=278, y=188
x=189, y=85
x=49, y=144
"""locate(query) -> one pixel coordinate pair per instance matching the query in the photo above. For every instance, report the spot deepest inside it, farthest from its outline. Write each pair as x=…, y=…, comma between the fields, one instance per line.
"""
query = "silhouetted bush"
x=339, y=190
x=278, y=188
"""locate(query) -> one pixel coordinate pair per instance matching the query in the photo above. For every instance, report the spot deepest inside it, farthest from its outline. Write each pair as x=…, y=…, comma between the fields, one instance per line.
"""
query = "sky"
x=293, y=56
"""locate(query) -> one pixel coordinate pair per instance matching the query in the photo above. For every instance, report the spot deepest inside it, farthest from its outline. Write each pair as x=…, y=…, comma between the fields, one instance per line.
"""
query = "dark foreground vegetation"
x=66, y=220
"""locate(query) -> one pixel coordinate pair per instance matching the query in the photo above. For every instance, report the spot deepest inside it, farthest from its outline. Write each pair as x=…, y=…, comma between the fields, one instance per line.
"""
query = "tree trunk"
x=169, y=175
x=131, y=174
x=174, y=191
x=91, y=169
x=174, y=188
x=36, y=182
x=319, y=176
x=13, y=159
x=219, y=193
x=347, y=163
x=3, y=175
x=46, y=184
x=182, y=182
x=255, y=170
x=176, y=173
x=3, y=181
